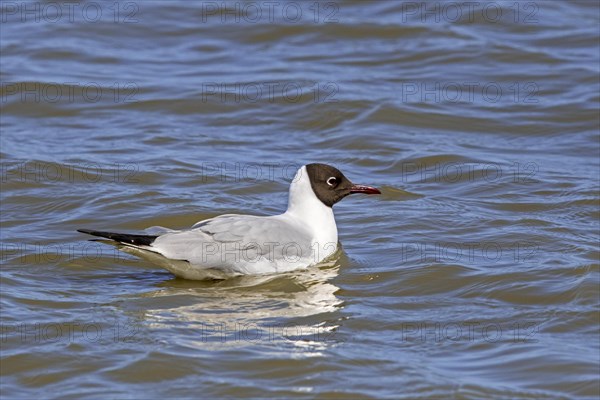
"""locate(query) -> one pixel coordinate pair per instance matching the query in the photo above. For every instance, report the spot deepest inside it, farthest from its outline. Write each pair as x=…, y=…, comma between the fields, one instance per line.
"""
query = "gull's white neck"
x=306, y=208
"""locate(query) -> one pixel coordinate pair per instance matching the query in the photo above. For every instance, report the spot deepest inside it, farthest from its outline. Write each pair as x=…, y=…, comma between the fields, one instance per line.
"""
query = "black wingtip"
x=135, y=240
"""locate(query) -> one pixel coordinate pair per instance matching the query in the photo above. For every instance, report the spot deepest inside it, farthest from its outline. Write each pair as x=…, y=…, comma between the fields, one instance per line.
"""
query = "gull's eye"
x=331, y=181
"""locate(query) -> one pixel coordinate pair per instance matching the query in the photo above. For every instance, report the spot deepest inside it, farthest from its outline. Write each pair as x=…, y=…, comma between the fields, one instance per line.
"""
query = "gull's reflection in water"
x=295, y=307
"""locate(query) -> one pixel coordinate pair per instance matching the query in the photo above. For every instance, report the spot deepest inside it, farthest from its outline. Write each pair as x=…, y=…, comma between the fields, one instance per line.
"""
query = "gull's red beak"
x=364, y=189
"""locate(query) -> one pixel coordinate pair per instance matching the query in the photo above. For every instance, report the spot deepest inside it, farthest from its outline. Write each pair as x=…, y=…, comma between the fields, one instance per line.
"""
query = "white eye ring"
x=331, y=181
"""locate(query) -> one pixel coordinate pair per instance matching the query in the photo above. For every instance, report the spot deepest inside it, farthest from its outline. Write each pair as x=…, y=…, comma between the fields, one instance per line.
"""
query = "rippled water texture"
x=474, y=275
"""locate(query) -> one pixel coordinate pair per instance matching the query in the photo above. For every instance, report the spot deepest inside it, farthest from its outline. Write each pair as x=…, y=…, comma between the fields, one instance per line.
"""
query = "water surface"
x=474, y=275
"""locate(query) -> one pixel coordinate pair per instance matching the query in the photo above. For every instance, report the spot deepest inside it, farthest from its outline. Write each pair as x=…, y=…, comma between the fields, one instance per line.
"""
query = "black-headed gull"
x=234, y=244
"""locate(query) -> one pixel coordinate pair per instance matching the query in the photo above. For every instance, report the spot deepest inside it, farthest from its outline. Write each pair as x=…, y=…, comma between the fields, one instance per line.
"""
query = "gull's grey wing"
x=234, y=241
x=158, y=230
x=232, y=228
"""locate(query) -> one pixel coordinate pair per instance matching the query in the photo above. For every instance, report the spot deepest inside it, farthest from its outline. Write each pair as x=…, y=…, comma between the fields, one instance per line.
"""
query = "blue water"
x=474, y=275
